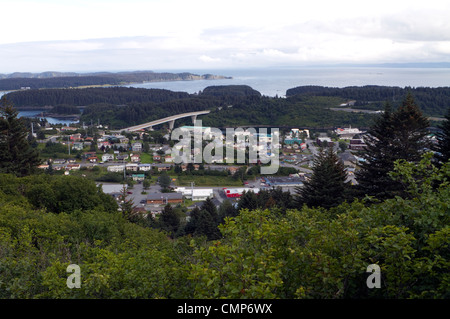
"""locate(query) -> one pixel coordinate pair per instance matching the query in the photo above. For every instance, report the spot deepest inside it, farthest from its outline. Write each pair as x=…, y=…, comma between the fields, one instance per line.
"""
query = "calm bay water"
x=275, y=81
x=51, y=120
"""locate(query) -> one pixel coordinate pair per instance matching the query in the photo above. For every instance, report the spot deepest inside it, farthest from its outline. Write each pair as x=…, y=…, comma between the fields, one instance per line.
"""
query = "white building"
x=115, y=168
x=348, y=133
x=196, y=194
x=145, y=167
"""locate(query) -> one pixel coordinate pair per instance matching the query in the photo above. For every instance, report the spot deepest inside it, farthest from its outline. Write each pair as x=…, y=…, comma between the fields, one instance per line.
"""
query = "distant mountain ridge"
x=50, y=79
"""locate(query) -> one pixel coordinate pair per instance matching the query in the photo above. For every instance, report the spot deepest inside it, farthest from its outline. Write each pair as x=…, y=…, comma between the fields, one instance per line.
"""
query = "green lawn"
x=146, y=158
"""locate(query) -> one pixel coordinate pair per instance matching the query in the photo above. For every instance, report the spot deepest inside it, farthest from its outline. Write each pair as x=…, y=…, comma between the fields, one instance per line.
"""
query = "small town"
x=138, y=162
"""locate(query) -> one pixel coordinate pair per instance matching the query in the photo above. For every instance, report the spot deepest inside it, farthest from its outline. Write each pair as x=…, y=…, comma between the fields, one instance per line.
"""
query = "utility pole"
x=68, y=143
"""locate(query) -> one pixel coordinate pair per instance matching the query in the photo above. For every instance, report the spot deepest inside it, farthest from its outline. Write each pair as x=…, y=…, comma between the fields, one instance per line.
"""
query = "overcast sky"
x=94, y=35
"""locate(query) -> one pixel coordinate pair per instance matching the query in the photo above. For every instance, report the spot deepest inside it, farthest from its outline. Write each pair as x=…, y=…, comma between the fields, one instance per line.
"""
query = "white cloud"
x=150, y=34
x=208, y=59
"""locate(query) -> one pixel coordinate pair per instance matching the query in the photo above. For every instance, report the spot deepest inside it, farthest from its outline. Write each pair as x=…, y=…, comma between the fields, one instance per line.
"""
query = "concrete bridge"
x=170, y=120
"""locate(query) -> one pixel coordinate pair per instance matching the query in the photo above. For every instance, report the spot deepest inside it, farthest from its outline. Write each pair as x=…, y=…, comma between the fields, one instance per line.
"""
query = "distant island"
x=49, y=80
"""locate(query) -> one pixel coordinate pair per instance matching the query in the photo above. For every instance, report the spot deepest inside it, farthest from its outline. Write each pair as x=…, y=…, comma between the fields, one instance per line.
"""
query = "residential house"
x=166, y=149
x=184, y=167
x=324, y=141
x=73, y=167
x=68, y=128
x=93, y=159
x=135, y=158
x=107, y=157
x=357, y=144
x=122, y=158
x=290, y=158
x=132, y=167
x=168, y=159
x=138, y=177
x=157, y=157
x=136, y=147
x=164, y=167
x=58, y=161
x=104, y=144
x=120, y=146
x=294, y=140
x=86, y=155
x=75, y=137
x=78, y=146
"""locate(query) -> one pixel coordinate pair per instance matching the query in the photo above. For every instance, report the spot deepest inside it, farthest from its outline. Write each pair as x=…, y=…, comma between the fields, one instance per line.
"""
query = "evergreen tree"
x=207, y=226
x=169, y=220
x=16, y=155
x=226, y=209
x=164, y=180
x=126, y=205
x=443, y=140
x=191, y=225
x=204, y=222
x=327, y=186
x=210, y=208
x=394, y=135
x=248, y=200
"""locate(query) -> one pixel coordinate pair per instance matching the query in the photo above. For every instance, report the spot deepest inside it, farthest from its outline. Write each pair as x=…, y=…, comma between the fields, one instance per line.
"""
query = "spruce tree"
x=327, y=186
x=169, y=220
x=247, y=200
x=16, y=155
x=443, y=141
x=394, y=135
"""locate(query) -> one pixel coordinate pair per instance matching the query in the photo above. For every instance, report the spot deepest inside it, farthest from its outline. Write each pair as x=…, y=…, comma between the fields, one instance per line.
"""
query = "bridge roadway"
x=170, y=120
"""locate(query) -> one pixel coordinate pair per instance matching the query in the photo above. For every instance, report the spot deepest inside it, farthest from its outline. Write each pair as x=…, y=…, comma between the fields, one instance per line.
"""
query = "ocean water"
x=275, y=82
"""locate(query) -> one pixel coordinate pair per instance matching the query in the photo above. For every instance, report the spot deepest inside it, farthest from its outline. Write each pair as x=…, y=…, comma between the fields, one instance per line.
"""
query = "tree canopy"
x=16, y=155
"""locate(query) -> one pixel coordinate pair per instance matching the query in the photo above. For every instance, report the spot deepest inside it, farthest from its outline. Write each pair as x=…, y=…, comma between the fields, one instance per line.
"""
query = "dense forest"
x=263, y=251
x=432, y=101
x=67, y=80
x=234, y=105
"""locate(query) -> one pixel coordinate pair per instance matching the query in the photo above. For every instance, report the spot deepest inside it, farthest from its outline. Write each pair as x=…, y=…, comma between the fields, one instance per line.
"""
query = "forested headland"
x=16, y=81
x=432, y=101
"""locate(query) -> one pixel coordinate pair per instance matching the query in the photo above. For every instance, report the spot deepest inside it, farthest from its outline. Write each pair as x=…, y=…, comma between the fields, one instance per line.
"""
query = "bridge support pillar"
x=171, y=124
x=194, y=118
